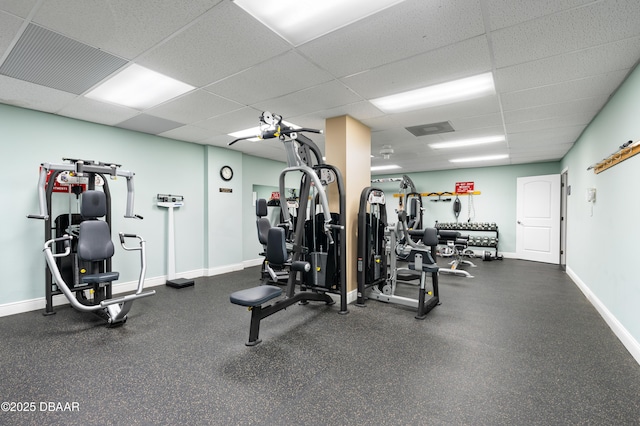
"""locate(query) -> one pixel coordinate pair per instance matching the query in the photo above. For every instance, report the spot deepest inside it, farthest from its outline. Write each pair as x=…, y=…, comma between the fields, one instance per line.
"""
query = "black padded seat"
x=255, y=296
x=105, y=277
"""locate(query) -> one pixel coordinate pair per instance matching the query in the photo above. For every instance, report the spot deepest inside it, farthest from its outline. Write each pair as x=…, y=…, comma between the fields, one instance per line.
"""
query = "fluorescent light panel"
x=300, y=21
x=483, y=158
x=139, y=87
x=439, y=94
x=387, y=167
x=468, y=142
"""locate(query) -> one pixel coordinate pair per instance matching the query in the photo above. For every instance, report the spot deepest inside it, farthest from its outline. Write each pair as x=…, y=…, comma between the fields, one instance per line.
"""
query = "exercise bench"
x=255, y=297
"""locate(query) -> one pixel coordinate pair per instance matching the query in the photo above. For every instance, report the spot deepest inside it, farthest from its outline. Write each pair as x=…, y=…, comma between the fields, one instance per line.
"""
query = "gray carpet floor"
x=517, y=345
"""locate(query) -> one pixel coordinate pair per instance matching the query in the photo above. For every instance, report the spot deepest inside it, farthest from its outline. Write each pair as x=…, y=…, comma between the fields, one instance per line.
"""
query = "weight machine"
x=317, y=265
x=378, y=269
x=78, y=247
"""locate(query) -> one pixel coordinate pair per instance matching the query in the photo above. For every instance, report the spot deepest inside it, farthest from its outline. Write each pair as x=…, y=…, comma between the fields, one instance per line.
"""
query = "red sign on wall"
x=464, y=187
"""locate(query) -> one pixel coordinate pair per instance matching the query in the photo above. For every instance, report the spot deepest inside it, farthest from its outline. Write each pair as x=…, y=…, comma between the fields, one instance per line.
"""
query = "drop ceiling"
x=555, y=64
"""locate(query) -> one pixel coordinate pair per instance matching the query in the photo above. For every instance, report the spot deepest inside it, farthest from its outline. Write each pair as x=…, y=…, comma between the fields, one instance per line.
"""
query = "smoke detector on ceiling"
x=386, y=151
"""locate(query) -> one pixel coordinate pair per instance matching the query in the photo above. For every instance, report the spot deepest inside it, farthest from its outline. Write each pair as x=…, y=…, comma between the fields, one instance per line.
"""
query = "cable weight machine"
x=317, y=265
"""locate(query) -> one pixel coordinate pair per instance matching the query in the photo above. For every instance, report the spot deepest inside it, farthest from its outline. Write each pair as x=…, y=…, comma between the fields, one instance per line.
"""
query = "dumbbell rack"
x=475, y=241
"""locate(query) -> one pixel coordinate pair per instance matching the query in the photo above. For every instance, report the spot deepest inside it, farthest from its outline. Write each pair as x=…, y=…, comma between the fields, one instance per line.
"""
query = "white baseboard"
x=253, y=262
x=225, y=269
x=117, y=288
x=632, y=345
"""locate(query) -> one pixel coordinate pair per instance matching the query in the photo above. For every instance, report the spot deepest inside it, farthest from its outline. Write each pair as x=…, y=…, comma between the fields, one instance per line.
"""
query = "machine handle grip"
x=123, y=236
x=67, y=245
x=37, y=216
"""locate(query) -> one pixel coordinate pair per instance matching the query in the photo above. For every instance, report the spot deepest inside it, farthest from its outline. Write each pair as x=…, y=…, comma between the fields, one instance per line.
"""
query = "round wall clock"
x=226, y=173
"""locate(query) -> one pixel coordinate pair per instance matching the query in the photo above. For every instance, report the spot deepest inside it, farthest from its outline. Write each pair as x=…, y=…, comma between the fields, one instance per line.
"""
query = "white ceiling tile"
x=505, y=13
x=234, y=121
x=202, y=53
x=616, y=56
x=589, y=106
x=20, y=8
x=28, y=95
x=477, y=122
x=597, y=23
x=9, y=26
x=401, y=31
x=551, y=123
x=589, y=87
x=187, y=133
x=99, y=112
x=324, y=96
x=149, y=124
x=193, y=107
x=463, y=59
x=277, y=76
x=359, y=110
x=122, y=27
x=546, y=137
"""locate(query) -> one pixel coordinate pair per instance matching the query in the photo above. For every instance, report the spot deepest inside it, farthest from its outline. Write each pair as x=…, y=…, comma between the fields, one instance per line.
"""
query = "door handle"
x=519, y=223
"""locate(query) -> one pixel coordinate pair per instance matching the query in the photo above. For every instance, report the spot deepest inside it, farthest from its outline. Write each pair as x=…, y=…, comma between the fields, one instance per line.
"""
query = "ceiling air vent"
x=49, y=59
x=430, y=129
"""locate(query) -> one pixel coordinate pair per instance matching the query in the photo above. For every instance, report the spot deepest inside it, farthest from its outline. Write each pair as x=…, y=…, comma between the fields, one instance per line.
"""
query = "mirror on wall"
x=274, y=200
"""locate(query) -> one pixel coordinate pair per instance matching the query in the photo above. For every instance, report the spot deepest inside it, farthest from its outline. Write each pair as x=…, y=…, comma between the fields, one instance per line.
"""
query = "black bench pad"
x=255, y=296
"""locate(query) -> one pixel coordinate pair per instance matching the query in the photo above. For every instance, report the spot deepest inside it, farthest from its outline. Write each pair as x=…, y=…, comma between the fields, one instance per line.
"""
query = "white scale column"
x=172, y=281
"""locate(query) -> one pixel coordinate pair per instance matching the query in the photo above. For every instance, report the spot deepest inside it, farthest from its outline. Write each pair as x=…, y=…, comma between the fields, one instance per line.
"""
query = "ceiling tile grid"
x=123, y=27
x=404, y=30
x=9, y=26
x=225, y=41
x=555, y=64
x=464, y=59
x=280, y=75
x=20, y=8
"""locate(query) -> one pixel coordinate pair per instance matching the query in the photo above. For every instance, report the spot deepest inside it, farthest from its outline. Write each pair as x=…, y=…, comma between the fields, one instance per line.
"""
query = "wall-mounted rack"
x=626, y=151
x=442, y=194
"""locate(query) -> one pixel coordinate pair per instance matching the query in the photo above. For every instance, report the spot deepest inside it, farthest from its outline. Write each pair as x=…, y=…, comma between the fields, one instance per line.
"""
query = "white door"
x=538, y=218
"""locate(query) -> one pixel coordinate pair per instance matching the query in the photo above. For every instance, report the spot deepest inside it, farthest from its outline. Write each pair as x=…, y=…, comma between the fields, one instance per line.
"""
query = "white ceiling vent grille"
x=49, y=59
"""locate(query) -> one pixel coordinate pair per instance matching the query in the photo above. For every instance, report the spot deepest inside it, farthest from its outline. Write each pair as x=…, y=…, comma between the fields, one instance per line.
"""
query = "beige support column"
x=348, y=147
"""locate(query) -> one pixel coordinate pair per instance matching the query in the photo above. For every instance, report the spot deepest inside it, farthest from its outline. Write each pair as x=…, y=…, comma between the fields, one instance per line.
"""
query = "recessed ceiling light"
x=467, y=142
x=300, y=21
x=439, y=94
x=387, y=167
x=139, y=87
x=256, y=131
x=484, y=158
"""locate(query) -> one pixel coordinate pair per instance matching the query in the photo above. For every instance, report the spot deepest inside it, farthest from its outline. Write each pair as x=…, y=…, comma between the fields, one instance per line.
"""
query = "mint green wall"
x=602, y=248
x=161, y=166
x=224, y=234
x=496, y=203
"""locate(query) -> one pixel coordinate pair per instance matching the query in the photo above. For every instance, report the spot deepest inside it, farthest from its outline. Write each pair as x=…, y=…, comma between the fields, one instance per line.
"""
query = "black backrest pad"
x=94, y=204
x=430, y=237
x=263, y=225
x=94, y=241
x=261, y=207
x=276, y=247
